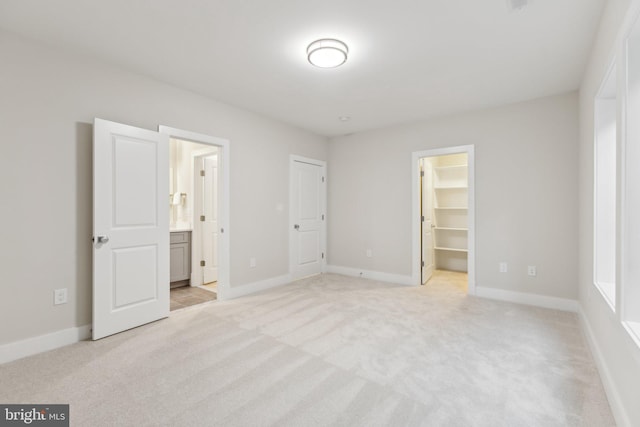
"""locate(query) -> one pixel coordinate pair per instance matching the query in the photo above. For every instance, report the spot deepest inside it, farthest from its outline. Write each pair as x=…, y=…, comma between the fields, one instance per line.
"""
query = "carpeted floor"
x=328, y=350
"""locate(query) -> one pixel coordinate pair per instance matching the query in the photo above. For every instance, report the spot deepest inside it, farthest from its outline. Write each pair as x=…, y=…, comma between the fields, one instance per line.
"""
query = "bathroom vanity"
x=180, y=258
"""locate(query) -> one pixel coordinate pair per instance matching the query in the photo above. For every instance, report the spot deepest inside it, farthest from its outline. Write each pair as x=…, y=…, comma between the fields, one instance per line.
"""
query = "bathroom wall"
x=182, y=164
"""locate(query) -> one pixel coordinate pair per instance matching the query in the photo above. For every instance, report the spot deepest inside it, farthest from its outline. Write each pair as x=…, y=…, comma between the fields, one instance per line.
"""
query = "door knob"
x=296, y=226
x=103, y=239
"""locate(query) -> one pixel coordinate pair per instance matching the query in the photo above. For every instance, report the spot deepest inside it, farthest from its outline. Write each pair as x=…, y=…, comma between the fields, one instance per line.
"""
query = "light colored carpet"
x=328, y=350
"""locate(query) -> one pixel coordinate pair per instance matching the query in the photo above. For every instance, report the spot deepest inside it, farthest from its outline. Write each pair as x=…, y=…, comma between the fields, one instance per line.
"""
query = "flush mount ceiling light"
x=327, y=53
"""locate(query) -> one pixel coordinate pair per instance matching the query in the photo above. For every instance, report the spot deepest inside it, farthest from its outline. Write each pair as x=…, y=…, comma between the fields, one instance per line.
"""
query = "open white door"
x=427, y=220
x=307, y=198
x=210, y=223
x=130, y=227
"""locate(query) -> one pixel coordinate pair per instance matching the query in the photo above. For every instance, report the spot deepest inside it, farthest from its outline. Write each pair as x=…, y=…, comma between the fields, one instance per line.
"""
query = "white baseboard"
x=544, y=301
x=619, y=413
x=262, y=285
x=28, y=347
x=374, y=275
x=19, y=349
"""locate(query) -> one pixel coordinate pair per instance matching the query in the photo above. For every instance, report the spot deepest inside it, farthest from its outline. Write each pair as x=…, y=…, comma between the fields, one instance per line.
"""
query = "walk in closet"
x=449, y=184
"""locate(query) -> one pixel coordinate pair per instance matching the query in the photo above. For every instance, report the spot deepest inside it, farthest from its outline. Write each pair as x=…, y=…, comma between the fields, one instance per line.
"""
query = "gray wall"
x=47, y=104
x=617, y=354
x=526, y=194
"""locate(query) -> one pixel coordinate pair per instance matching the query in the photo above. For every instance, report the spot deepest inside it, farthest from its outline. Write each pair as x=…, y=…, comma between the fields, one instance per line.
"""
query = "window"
x=630, y=189
x=605, y=189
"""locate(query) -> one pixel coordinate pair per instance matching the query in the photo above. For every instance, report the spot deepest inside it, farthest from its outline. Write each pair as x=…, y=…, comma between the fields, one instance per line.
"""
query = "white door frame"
x=196, y=207
x=323, y=228
x=415, y=211
x=224, y=163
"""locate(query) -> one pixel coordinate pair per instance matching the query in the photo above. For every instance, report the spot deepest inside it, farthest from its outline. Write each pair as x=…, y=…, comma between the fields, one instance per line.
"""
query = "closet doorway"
x=444, y=208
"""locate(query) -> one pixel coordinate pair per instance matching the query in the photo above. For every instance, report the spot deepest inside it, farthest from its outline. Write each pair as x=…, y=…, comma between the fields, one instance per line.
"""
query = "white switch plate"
x=502, y=267
x=60, y=296
x=531, y=270
x=369, y=253
x=252, y=262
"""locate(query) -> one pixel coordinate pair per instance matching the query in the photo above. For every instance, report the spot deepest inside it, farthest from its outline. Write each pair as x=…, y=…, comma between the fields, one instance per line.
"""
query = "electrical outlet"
x=60, y=296
x=252, y=262
x=369, y=253
x=502, y=267
x=531, y=270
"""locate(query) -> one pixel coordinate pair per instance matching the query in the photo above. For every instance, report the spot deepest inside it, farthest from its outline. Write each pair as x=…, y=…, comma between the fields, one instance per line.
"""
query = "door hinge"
x=322, y=255
x=202, y=263
x=323, y=217
x=423, y=263
x=202, y=173
x=422, y=218
x=421, y=173
x=323, y=179
x=202, y=218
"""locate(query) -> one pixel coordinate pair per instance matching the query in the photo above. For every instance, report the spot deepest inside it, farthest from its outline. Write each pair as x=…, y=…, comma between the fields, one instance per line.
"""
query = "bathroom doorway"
x=193, y=222
x=198, y=204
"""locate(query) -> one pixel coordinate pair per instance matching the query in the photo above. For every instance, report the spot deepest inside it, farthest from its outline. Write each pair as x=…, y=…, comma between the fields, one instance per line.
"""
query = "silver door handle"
x=296, y=226
x=103, y=239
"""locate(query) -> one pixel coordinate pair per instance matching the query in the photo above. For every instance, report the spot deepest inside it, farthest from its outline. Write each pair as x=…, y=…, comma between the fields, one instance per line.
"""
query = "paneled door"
x=426, y=179
x=308, y=201
x=210, y=223
x=130, y=227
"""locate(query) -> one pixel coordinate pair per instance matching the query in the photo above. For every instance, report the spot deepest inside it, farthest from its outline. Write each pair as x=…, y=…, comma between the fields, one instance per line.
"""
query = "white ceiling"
x=409, y=60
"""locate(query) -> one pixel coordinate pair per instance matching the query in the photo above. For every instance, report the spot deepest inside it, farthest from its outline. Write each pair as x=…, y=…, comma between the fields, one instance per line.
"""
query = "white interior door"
x=130, y=227
x=210, y=223
x=307, y=217
x=427, y=219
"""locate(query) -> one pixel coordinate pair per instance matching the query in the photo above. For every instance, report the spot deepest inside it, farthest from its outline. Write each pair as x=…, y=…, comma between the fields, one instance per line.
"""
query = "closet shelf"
x=438, y=248
x=450, y=167
x=450, y=187
x=449, y=208
x=451, y=229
